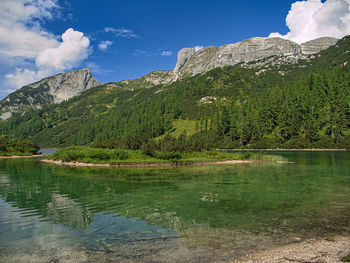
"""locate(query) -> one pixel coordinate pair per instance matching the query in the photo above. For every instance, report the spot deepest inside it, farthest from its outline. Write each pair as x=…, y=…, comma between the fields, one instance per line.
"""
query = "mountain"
x=287, y=100
x=190, y=62
x=50, y=90
x=193, y=61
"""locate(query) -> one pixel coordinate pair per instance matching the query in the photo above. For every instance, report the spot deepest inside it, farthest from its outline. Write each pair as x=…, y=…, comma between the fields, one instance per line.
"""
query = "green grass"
x=15, y=153
x=179, y=126
x=114, y=156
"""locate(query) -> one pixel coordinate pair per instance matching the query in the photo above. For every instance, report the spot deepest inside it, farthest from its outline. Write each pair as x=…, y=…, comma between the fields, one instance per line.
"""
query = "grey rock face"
x=50, y=90
x=160, y=77
x=67, y=85
x=317, y=45
x=191, y=63
x=183, y=56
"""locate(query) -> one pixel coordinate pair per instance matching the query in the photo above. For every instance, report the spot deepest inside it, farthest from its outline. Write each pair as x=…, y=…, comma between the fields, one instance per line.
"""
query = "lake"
x=53, y=213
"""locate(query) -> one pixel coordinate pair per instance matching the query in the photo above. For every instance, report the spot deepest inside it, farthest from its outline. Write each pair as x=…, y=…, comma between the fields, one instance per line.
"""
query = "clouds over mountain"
x=32, y=50
x=313, y=19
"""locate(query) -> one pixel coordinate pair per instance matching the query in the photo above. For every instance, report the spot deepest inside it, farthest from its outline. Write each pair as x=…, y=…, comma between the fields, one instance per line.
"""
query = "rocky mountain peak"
x=191, y=62
x=67, y=85
x=183, y=56
x=50, y=90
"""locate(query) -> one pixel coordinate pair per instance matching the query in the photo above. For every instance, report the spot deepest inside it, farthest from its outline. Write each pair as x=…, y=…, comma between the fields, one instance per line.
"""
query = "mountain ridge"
x=190, y=62
x=258, y=104
x=193, y=61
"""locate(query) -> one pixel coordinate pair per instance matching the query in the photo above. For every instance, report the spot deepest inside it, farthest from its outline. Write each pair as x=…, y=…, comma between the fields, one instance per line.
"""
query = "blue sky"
x=121, y=40
x=168, y=26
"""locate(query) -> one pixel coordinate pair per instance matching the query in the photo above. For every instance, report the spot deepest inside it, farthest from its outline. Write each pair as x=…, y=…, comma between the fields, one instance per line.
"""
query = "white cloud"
x=69, y=53
x=20, y=35
x=30, y=51
x=312, y=19
x=122, y=32
x=104, y=45
x=22, y=77
x=166, y=53
x=197, y=48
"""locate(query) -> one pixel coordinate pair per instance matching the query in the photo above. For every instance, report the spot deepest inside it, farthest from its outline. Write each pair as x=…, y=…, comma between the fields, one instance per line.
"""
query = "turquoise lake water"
x=52, y=213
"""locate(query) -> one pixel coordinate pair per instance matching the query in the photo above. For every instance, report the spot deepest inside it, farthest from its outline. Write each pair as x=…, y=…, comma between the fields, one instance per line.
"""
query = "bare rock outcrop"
x=191, y=63
x=317, y=45
x=50, y=90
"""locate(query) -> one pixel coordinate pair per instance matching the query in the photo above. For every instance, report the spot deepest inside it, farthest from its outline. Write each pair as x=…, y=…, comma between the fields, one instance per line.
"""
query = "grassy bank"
x=14, y=147
x=113, y=156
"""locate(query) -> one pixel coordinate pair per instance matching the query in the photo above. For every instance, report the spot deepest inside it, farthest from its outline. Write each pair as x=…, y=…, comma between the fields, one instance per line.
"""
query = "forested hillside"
x=273, y=106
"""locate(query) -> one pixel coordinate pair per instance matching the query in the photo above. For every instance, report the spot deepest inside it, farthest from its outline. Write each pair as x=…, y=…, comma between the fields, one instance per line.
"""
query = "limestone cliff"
x=50, y=90
x=191, y=62
x=317, y=45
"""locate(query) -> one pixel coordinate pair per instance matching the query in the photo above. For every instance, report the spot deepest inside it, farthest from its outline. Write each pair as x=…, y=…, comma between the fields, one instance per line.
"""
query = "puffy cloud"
x=20, y=33
x=71, y=51
x=166, y=53
x=29, y=50
x=104, y=45
x=22, y=77
x=312, y=19
x=122, y=32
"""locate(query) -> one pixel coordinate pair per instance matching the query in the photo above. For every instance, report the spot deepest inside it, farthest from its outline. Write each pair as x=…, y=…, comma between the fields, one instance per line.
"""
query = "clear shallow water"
x=189, y=214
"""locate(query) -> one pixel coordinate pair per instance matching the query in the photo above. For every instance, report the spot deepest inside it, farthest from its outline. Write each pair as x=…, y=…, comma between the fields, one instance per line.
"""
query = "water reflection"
x=214, y=212
x=64, y=210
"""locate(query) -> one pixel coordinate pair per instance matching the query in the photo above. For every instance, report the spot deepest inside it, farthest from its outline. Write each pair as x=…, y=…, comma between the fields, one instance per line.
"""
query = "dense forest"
x=303, y=105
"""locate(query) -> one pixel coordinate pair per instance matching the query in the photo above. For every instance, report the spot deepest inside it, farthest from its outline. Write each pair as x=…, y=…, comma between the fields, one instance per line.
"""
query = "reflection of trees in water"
x=254, y=197
x=33, y=187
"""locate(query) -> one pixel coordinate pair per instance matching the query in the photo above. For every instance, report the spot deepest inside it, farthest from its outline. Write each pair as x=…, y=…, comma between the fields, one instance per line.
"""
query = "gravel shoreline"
x=81, y=164
x=311, y=251
x=20, y=156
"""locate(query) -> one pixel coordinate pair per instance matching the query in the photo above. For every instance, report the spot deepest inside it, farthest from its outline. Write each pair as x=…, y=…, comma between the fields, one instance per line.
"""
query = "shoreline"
x=20, y=156
x=289, y=150
x=81, y=164
x=313, y=250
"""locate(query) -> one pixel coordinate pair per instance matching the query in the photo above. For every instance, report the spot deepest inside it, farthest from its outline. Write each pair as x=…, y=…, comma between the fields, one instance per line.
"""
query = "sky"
x=121, y=40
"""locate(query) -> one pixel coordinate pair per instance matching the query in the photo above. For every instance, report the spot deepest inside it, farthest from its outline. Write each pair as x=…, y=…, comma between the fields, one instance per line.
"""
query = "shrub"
x=99, y=154
x=149, y=148
x=81, y=153
x=169, y=155
x=120, y=155
x=297, y=143
x=264, y=143
x=245, y=156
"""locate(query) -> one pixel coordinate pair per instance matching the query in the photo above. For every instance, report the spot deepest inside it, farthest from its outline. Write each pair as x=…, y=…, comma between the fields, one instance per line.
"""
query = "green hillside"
x=282, y=106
